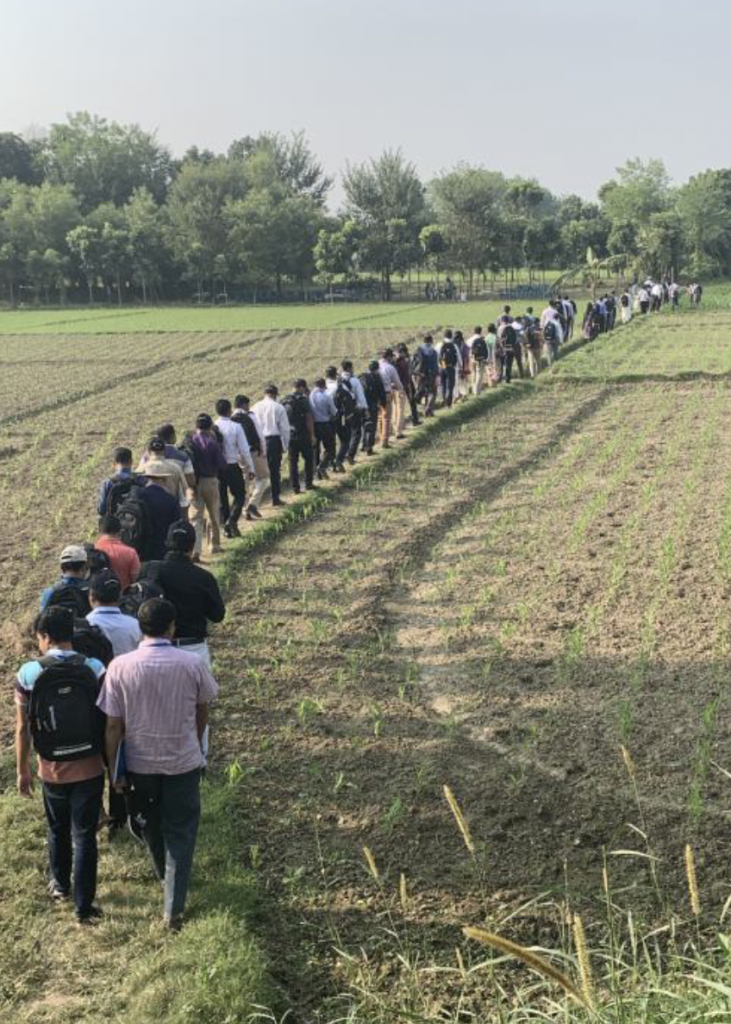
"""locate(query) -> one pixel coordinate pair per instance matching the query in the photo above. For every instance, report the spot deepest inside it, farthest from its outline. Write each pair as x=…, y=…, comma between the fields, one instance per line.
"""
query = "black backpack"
x=418, y=362
x=549, y=331
x=508, y=337
x=247, y=425
x=479, y=350
x=65, y=723
x=143, y=590
x=449, y=354
x=121, y=487
x=71, y=595
x=90, y=641
x=135, y=519
x=625, y=300
x=297, y=407
x=96, y=560
x=344, y=400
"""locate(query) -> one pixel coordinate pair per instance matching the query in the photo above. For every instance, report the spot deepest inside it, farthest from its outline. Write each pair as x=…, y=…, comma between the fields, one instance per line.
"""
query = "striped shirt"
x=155, y=691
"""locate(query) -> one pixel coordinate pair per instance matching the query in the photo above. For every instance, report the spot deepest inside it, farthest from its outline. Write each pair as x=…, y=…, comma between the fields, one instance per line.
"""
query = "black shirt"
x=193, y=590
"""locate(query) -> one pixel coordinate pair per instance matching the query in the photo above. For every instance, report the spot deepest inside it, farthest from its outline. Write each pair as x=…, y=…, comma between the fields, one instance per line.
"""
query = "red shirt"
x=124, y=560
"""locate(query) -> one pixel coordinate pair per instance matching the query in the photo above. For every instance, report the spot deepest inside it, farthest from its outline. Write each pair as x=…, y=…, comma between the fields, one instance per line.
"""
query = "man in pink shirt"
x=123, y=560
x=156, y=699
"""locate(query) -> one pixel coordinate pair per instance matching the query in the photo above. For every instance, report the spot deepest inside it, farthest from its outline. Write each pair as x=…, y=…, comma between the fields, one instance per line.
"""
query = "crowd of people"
x=123, y=682
x=646, y=297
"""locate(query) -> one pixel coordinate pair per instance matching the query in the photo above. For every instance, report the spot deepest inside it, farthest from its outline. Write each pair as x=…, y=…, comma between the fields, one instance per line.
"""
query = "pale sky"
x=563, y=90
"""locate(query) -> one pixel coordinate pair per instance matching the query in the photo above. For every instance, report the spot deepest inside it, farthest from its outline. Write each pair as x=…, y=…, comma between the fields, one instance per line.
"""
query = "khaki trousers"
x=207, y=498
x=261, y=468
x=385, y=420
x=478, y=376
x=400, y=405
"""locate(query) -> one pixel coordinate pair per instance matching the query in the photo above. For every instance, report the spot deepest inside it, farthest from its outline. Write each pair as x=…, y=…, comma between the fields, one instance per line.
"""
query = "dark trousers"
x=231, y=479
x=449, y=377
x=72, y=813
x=343, y=429
x=274, y=461
x=369, y=427
x=300, y=447
x=169, y=808
x=356, y=433
x=513, y=355
x=414, y=405
x=324, y=445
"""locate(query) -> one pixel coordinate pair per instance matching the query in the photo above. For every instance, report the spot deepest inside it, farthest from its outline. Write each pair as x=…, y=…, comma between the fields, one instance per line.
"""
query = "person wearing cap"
x=238, y=458
x=156, y=699
x=324, y=415
x=173, y=480
x=209, y=464
x=72, y=590
x=393, y=387
x=274, y=422
x=122, y=631
x=250, y=425
x=375, y=396
x=123, y=559
x=191, y=588
x=166, y=433
x=162, y=508
x=301, y=435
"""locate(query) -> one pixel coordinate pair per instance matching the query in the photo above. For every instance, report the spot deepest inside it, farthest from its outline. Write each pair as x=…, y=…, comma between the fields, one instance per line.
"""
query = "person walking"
x=252, y=429
x=324, y=414
x=272, y=417
x=69, y=744
x=450, y=362
x=238, y=458
x=358, y=415
x=478, y=360
x=72, y=590
x=392, y=386
x=160, y=509
x=156, y=699
x=113, y=490
x=174, y=479
x=123, y=559
x=403, y=368
x=192, y=589
x=122, y=631
x=209, y=465
x=375, y=395
x=425, y=367
x=301, y=435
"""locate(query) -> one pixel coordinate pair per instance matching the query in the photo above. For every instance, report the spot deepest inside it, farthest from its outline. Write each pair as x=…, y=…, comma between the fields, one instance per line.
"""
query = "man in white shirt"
x=272, y=417
x=392, y=384
x=250, y=425
x=237, y=455
x=324, y=415
x=351, y=425
x=122, y=631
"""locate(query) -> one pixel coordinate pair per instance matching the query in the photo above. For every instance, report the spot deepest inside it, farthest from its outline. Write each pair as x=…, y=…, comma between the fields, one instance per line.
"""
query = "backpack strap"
x=51, y=659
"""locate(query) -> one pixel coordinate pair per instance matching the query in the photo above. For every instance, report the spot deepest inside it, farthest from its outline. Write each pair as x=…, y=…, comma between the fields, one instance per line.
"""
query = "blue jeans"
x=72, y=812
x=169, y=809
x=449, y=378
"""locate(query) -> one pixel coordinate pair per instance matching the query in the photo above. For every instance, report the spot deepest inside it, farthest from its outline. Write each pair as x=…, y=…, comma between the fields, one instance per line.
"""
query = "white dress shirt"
x=235, y=446
x=273, y=419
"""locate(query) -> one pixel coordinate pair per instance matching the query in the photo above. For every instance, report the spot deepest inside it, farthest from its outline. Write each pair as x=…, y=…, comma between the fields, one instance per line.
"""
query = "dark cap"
x=204, y=421
x=180, y=536
x=156, y=444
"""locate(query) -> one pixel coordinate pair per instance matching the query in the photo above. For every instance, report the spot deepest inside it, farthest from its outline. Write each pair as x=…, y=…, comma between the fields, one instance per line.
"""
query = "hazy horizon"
x=563, y=94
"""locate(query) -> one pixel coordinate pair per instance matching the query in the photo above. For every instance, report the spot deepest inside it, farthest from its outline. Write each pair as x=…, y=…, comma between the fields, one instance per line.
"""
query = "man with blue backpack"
x=72, y=590
x=56, y=713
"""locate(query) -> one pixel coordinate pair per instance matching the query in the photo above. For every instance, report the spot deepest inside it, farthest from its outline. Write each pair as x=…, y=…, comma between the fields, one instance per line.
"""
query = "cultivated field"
x=535, y=583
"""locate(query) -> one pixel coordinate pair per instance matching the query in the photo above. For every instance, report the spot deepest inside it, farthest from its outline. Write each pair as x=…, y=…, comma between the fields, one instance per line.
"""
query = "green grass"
x=245, y=318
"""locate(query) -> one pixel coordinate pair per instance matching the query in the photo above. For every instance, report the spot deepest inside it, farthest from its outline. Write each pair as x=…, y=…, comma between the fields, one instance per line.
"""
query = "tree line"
x=104, y=211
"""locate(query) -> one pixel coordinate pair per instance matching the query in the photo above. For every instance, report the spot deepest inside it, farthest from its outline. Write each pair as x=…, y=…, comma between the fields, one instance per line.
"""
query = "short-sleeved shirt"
x=124, y=560
x=155, y=691
x=122, y=631
x=58, y=771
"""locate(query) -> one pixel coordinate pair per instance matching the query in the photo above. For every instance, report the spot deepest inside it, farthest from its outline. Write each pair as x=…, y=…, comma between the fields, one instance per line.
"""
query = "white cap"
x=73, y=553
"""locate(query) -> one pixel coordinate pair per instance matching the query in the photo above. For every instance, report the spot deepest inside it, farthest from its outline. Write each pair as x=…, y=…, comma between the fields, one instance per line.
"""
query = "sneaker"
x=400, y=437
x=338, y=467
x=227, y=532
x=248, y=516
x=174, y=924
x=255, y=512
x=369, y=451
x=89, y=917
x=351, y=460
x=235, y=532
x=278, y=502
x=312, y=487
x=56, y=892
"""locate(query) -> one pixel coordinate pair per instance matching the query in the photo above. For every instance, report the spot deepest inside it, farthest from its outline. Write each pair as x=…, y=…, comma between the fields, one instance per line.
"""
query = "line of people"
x=123, y=681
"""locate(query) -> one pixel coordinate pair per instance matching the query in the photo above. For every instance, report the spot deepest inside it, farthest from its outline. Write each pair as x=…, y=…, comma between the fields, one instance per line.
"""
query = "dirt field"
x=538, y=582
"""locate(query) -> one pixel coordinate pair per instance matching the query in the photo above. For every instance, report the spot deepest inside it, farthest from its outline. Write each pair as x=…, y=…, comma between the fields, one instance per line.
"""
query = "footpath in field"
x=499, y=608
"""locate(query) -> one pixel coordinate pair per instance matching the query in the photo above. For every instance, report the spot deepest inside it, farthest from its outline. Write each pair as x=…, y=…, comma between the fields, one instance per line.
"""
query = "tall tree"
x=468, y=201
x=385, y=197
x=18, y=159
x=105, y=161
x=295, y=165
